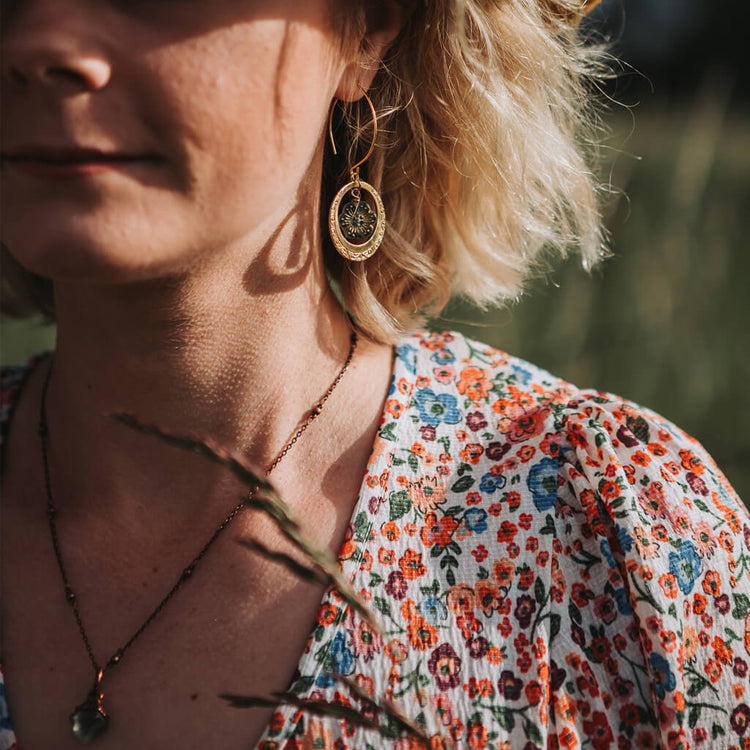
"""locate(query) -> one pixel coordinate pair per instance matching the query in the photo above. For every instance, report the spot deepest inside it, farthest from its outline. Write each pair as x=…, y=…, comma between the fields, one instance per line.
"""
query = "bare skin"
x=190, y=290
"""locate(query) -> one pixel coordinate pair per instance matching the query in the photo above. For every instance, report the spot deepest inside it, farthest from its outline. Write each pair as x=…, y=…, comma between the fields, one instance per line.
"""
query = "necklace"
x=89, y=719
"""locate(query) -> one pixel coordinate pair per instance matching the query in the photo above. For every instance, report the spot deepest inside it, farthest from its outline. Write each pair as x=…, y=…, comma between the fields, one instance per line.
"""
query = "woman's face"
x=139, y=135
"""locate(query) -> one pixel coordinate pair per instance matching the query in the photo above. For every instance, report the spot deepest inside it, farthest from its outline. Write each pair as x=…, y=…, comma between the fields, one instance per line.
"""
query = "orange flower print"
x=689, y=642
x=704, y=538
x=471, y=453
x=518, y=425
x=426, y=493
x=411, y=565
x=489, y=596
x=327, y=614
x=461, y=599
x=722, y=652
x=394, y=408
x=437, y=531
x=421, y=634
x=691, y=462
x=473, y=383
x=668, y=584
x=712, y=583
x=390, y=531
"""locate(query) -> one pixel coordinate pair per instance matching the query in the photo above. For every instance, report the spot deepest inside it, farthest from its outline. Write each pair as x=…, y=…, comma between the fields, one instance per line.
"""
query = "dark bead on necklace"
x=89, y=722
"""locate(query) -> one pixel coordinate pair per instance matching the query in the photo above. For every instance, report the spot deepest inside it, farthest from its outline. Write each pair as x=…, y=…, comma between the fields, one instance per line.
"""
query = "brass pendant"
x=356, y=229
x=89, y=720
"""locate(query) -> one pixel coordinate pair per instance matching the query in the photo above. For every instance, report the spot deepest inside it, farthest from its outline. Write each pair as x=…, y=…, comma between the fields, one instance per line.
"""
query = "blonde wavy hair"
x=481, y=160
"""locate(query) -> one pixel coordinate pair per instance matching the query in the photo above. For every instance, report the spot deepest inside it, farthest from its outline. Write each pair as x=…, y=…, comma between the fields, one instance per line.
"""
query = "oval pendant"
x=356, y=229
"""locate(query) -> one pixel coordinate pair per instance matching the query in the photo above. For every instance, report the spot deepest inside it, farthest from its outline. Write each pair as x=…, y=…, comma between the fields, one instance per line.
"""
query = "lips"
x=66, y=162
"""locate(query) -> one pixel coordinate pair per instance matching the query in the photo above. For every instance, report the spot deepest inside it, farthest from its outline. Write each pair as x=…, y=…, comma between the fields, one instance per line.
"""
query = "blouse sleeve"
x=653, y=587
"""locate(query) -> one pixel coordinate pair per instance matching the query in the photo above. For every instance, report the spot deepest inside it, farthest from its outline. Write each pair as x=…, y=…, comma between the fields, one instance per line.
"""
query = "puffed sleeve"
x=652, y=587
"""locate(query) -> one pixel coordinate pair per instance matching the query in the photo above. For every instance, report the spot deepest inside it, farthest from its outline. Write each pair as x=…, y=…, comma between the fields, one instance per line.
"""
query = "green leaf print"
x=400, y=504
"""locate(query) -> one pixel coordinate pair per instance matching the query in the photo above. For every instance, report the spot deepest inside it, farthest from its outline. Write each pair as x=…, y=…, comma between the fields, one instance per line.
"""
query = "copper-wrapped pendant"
x=89, y=720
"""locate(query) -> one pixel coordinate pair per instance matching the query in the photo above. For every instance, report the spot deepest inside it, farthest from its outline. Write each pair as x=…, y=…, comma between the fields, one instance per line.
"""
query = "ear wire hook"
x=355, y=168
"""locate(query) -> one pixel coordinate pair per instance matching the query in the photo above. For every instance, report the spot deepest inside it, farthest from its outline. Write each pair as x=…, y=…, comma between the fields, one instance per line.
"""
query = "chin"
x=92, y=256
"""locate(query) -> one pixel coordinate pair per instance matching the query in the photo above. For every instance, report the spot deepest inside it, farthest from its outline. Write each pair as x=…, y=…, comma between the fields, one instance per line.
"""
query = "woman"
x=547, y=566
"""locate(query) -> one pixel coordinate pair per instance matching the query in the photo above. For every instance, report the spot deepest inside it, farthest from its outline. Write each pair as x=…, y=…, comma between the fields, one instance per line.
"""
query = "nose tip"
x=68, y=73
x=52, y=50
x=81, y=71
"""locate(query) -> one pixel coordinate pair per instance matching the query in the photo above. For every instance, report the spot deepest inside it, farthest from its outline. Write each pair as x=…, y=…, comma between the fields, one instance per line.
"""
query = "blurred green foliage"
x=664, y=321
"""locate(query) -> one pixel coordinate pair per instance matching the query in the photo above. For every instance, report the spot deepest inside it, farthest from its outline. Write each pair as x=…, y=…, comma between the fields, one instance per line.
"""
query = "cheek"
x=249, y=122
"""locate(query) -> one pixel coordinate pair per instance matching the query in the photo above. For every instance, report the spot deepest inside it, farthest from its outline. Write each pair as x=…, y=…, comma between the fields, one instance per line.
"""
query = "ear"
x=384, y=21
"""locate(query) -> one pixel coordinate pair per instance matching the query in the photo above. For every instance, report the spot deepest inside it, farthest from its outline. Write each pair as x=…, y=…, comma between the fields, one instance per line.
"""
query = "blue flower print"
x=624, y=538
x=436, y=409
x=476, y=520
x=685, y=566
x=623, y=601
x=408, y=355
x=432, y=609
x=663, y=679
x=522, y=374
x=542, y=481
x=491, y=482
x=4, y=716
x=606, y=551
x=338, y=660
x=443, y=356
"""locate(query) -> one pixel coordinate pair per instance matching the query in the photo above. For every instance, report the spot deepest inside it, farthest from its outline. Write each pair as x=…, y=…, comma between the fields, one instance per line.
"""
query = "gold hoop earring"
x=356, y=227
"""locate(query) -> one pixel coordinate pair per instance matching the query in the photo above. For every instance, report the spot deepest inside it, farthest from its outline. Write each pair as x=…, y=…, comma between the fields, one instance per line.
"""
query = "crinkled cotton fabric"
x=550, y=568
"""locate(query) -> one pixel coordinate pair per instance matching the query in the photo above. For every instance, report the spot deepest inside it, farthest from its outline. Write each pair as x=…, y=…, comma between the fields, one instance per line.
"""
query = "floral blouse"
x=550, y=568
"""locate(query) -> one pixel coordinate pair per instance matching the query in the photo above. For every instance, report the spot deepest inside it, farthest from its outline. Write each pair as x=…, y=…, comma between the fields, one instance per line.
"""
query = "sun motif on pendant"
x=357, y=221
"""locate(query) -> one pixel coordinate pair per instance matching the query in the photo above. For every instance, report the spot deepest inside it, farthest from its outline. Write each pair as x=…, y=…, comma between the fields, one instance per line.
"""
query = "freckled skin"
x=190, y=290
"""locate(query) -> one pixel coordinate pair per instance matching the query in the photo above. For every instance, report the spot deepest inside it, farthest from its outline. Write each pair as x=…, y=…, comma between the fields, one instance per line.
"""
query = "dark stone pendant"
x=89, y=719
x=88, y=722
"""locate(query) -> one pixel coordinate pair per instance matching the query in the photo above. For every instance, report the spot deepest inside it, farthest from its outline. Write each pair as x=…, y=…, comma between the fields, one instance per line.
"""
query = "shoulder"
x=502, y=407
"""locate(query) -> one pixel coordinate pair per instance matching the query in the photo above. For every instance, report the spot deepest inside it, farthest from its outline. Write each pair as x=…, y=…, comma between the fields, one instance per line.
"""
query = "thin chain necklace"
x=89, y=720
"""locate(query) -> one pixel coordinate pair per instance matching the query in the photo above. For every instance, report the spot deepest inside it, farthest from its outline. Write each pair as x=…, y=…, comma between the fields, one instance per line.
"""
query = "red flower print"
x=445, y=665
x=396, y=585
x=597, y=729
x=509, y=686
x=480, y=553
x=506, y=532
x=475, y=421
x=411, y=565
x=503, y=570
x=525, y=608
x=605, y=609
x=473, y=498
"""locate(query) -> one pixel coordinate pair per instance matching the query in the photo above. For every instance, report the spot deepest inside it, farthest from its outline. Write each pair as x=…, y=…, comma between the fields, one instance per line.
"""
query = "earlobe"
x=384, y=21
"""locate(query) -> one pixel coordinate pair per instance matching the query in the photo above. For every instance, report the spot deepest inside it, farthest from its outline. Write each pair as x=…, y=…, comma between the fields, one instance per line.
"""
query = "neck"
x=222, y=351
